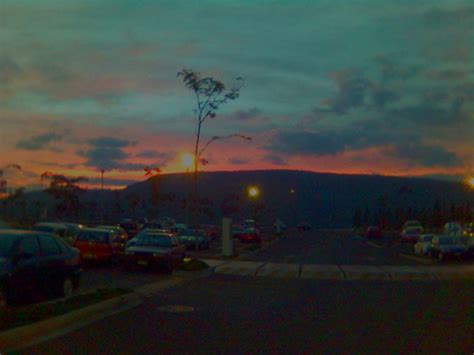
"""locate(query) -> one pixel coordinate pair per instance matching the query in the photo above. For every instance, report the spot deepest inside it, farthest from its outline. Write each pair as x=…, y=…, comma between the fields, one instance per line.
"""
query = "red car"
x=250, y=235
x=373, y=232
x=98, y=244
x=410, y=235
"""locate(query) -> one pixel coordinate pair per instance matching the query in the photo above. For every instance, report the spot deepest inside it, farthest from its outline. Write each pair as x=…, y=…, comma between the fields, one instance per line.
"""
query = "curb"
x=31, y=334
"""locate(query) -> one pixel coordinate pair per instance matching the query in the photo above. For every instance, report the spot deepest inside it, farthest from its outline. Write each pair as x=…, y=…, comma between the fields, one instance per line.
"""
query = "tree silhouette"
x=210, y=95
x=66, y=191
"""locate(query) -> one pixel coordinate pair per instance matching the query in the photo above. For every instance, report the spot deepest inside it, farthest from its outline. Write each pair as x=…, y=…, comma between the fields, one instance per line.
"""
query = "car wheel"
x=67, y=288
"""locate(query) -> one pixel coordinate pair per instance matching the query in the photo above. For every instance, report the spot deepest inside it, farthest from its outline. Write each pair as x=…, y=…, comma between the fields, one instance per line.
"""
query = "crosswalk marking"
x=343, y=272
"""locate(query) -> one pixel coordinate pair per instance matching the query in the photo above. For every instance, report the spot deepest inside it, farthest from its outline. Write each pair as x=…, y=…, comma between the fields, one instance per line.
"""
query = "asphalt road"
x=331, y=247
x=237, y=314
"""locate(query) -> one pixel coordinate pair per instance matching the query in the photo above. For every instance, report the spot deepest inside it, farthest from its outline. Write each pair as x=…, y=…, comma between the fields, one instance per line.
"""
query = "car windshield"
x=6, y=244
x=160, y=241
x=94, y=236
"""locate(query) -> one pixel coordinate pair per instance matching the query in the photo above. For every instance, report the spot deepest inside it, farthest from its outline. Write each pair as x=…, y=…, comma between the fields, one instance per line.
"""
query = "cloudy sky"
x=373, y=86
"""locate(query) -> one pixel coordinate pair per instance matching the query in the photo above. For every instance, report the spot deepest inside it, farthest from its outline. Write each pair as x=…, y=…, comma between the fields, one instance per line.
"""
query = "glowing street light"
x=253, y=191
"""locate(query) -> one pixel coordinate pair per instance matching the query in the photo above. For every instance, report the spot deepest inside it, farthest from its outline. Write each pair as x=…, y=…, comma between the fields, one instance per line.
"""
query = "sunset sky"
x=370, y=87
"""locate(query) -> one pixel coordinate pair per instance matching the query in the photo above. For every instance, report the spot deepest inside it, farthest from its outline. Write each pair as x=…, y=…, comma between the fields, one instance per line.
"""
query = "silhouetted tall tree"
x=210, y=95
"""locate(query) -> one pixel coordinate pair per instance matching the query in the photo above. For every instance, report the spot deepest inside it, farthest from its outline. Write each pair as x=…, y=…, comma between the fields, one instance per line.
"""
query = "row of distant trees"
x=65, y=200
x=435, y=217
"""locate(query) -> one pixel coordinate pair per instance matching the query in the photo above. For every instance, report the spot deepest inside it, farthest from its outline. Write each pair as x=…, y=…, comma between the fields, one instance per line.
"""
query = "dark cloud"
x=111, y=142
x=107, y=153
x=427, y=155
x=382, y=96
x=432, y=113
x=39, y=142
x=238, y=161
x=407, y=145
x=153, y=154
x=351, y=91
x=247, y=114
x=274, y=159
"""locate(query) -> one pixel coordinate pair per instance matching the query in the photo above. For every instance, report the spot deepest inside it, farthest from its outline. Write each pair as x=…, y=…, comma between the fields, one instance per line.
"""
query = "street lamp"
x=253, y=192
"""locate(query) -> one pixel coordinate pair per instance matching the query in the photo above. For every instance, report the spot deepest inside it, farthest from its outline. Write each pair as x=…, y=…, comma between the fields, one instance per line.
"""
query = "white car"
x=423, y=245
x=412, y=224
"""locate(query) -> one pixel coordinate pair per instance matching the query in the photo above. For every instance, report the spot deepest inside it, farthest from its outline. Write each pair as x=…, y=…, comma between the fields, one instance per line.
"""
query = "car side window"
x=49, y=246
x=29, y=246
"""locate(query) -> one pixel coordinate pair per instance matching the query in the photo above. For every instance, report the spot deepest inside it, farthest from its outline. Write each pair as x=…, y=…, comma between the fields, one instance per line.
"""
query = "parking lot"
x=391, y=241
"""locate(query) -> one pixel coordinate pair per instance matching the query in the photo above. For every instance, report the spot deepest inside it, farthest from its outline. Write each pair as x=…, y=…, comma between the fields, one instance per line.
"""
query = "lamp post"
x=253, y=193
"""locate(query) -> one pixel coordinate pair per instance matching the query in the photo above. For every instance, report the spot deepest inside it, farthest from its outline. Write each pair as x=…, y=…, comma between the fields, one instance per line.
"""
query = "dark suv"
x=34, y=261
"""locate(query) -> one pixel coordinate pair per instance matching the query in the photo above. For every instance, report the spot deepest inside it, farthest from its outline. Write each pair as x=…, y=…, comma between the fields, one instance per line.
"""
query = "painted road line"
x=418, y=259
x=409, y=272
x=279, y=270
x=375, y=245
x=239, y=268
x=321, y=272
x=364, y=272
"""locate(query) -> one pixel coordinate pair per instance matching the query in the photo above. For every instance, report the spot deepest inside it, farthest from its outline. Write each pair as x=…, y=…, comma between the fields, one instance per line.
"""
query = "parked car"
x=413, y=224
x=32, y=261
x=250, y=235
x=249, y=223
x=410, y=234
x=453, y=229
x=122, y=233
x=195, y=239
x=236, y=231
x=178, y=228
x=130, y=227
x=303, y=227
x=211, y=230
x=468, y=230
x=58, y=229
x=374, y=232
x=99, y=245
x=152, y=231
x=423, y=245
x=149, y=250
x=154, y=225
x=445, y=246
x=167, y=222
x=74, y=228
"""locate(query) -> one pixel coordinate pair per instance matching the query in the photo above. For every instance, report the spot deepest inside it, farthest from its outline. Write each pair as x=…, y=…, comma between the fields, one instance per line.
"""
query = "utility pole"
x=102, y=196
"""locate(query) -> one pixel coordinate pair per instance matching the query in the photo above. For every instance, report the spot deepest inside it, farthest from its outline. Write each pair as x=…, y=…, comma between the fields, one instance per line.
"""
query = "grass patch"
x=193, y=265
x=12, y=317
